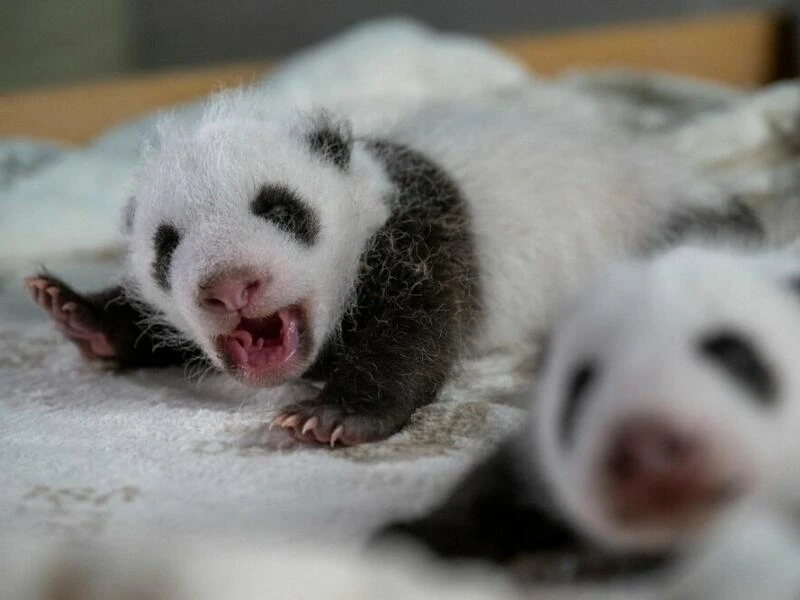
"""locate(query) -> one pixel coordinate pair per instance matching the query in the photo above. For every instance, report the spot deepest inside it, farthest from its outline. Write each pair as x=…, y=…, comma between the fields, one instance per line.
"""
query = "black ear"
x=331, y=140
x=128, y=212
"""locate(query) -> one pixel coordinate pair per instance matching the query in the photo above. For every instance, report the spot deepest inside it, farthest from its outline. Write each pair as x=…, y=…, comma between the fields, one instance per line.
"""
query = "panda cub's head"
x=670, y=390
x=245, y=235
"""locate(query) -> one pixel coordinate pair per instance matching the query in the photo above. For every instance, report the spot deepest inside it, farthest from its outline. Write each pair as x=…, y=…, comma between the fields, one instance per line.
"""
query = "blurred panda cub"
x=669, y=393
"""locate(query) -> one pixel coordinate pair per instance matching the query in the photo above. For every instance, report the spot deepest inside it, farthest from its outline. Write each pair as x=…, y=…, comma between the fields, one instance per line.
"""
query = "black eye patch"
x=737, y=357
x=165, y=240
x=283, y=208
x=582, y=377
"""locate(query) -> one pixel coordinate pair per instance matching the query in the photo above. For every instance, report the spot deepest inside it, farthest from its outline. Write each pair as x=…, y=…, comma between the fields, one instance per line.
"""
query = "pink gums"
x=258, y=346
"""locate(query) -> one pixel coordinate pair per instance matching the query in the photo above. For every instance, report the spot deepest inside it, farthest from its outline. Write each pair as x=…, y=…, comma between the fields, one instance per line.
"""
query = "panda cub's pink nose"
x=231, y=294
x=657, y=472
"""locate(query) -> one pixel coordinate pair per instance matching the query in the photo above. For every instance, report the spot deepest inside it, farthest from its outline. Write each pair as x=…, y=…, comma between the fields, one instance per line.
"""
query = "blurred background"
x=64, y=41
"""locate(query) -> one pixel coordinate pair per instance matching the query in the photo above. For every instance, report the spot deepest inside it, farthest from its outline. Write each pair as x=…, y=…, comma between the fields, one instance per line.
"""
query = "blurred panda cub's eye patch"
x=738, y=358
x=165, y=242
x=577, y=388
x=282, y=207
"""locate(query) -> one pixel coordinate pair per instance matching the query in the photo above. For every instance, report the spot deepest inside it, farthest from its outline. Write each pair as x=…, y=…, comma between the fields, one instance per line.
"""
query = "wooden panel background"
x=742, y=49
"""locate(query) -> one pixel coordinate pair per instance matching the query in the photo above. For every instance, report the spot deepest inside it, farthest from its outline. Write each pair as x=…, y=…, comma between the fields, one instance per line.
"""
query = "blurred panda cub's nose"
x=656, y=471
x=231, y=294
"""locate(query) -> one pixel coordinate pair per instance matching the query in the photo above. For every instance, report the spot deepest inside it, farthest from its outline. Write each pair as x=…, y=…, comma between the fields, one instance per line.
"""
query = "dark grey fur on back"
x=415, y=301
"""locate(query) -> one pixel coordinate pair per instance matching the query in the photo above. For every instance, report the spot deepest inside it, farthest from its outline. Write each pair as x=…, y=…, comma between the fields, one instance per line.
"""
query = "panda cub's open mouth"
x=261, y=350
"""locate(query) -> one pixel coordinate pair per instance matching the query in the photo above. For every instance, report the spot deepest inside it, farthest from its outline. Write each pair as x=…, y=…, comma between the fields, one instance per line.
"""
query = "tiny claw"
x=276, y=422
x=310, y=425
x=69, y=307
x=35, y=288
x=291, y=422
x=53, y=291
x=336, y=435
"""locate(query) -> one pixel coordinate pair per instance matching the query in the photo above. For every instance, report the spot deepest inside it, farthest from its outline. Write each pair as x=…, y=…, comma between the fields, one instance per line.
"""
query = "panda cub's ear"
x=128, y=213
x=330, y=139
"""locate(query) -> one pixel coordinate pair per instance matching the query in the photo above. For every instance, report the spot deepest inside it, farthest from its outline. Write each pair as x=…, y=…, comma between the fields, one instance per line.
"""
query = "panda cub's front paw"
x=319, y=422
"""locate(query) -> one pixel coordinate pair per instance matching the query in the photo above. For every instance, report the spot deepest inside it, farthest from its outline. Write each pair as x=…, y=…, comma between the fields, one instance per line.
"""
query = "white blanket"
x=92, y=455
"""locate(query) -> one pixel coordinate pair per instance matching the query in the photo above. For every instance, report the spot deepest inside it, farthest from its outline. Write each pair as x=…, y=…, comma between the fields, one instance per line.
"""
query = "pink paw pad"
x=69, y=317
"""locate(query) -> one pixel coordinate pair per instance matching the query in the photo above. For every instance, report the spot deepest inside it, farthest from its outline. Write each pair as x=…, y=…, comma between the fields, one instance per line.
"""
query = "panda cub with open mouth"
x=278, y=250
x=669, y=395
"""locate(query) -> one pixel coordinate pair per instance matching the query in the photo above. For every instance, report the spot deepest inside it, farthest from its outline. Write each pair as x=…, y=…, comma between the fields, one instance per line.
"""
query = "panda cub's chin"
x=268, y=350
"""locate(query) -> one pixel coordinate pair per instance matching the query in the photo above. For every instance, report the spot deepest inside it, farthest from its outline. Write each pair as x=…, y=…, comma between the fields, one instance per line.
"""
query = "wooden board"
x=738, y=48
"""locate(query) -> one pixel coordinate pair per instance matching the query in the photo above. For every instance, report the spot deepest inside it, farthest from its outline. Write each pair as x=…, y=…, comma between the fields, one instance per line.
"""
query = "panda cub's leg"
x=502, y=512
x=495, y=513
x=378, y=372
x=105, y=326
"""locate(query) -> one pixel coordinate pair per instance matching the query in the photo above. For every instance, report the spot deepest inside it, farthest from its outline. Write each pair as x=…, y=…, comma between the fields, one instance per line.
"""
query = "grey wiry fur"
x=415, y=300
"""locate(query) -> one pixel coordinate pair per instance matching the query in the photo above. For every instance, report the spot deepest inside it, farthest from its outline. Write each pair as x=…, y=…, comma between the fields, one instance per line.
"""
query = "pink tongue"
x=246, y=353
x=238, y=345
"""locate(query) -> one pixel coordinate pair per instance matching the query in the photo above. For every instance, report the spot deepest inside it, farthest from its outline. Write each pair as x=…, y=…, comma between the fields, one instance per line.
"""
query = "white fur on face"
x=203, y=183
x=640, y=326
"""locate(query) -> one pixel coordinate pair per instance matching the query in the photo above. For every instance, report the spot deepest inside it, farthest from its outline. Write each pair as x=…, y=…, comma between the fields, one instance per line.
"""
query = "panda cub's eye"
x=737, y=357
x=283, y=208
x=577, y=388
x=165, y=242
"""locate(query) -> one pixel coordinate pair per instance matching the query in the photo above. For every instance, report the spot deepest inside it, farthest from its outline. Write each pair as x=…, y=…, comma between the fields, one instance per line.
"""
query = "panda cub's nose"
x=231, y=294
x=654, y=471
